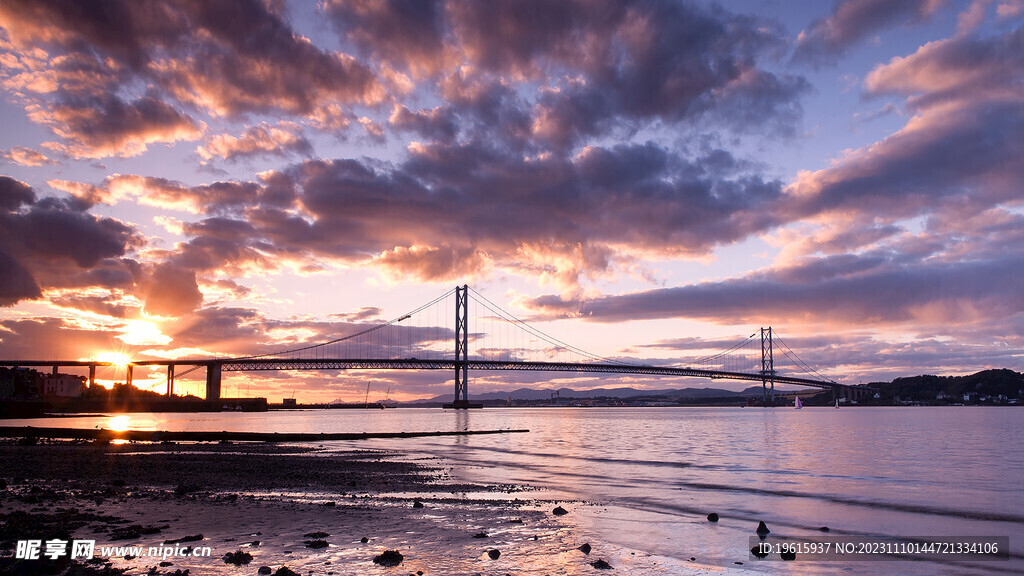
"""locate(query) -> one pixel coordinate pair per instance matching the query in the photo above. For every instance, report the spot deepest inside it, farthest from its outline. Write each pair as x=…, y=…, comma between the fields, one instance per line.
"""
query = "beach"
x=313, y=509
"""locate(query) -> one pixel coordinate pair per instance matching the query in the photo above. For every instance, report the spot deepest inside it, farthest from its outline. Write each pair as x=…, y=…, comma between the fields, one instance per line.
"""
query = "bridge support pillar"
x=213, y=381
x=92, y=375
x=128, y=376
x=767, y=367
x=461, y=347
x=170, y=380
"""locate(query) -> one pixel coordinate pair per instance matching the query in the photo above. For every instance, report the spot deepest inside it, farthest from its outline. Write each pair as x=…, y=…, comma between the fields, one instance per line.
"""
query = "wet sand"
x=306, y=507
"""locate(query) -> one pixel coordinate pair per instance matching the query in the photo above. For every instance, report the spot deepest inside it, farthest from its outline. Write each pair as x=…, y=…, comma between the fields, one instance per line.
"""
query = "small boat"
x=799, y=404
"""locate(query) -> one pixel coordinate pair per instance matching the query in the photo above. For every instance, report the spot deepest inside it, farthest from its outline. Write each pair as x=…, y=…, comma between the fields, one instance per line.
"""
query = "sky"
x=647, y=180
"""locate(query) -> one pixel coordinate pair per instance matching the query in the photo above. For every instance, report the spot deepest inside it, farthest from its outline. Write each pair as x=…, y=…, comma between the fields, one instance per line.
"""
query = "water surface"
x=653, y=474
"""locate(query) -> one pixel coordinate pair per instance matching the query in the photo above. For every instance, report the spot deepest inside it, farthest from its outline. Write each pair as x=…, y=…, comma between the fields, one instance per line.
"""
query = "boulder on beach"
x=389, y=558
x=601, y=565
x=417, y=504
x=493, y=554
x=316, y=544
x=585, y=548
x=713, y=517
x=285, y=571
x=316, y=535
x=823, y=528
x=759, y=551
x=480, y=535
x=364, y=539
x=559, y=511
x=264, y=570
x=762, y=530
x=238, y=558
x=788, y=555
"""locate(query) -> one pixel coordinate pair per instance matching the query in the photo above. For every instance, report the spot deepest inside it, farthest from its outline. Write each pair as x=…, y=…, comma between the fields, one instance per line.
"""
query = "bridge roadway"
x=214, y=367
x=255, y=364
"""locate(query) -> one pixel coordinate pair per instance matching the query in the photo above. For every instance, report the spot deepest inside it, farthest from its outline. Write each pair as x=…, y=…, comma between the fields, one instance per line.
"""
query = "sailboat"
x=837, y=403
x=799, y=404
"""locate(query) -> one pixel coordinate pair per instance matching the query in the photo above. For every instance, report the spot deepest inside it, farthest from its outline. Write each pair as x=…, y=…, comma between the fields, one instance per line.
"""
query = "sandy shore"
x=313, y=509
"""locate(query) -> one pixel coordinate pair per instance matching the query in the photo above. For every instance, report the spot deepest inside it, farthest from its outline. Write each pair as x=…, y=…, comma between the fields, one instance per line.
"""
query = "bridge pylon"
x=461, y=348
x=767, y=367
x=213, y=374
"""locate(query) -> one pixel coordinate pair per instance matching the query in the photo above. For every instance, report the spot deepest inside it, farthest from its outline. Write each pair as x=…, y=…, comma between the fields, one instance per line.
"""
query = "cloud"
x=836, y=290
x=961, y=145
x=405, y=35
x=27, y=157
x=75, y=66
x=256, y=141
x=432, y=264
x=13, y=194
x=851, y=21
x=16, y=283
x=54, y=242
x=170, y=290
x=103, y=126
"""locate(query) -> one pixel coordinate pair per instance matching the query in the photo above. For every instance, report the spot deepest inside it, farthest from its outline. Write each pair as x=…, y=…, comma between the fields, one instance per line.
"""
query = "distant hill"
x=980, y=387
x=620, y=393
x=985, y=387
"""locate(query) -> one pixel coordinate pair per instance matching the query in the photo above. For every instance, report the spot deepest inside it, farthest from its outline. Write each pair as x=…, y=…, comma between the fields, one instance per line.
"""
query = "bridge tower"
x=213, y=370
x=767, y=367
x=461, y=347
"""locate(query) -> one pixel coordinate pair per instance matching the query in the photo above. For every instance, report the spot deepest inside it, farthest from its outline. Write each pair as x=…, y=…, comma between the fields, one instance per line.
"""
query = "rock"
x=255, y=543
x=389, y=558
x=264, y=570
x=285, y=571
x=330, y=504
x=559, y=511
x=823, y=529
x=493, y=554
x=417, y=504
x=364, y=539
x=762, y=530
x=316, y=535
x=516, y=521
x=758, y=551
x=183, y=539
x=480, y=535
x=166, y=564
x=237, y=558
x=316, y=544
x=601, y=565
x=585, y=548
x=788, y=555
x=713, y=517
x=693, y=558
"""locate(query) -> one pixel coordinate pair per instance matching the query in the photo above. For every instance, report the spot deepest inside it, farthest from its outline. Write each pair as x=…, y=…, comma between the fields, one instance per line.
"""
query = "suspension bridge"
x=423, y=339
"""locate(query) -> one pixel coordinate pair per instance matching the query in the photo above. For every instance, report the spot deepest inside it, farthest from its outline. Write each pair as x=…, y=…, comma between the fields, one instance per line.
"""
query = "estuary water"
x=645, y=479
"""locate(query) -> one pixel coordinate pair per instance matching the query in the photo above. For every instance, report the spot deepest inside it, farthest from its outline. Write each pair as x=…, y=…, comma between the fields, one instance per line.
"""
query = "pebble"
x=493, y=554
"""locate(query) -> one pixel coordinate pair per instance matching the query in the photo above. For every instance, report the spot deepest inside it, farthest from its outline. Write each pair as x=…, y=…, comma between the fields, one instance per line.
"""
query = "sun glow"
x=119, y=423
x=118, y=359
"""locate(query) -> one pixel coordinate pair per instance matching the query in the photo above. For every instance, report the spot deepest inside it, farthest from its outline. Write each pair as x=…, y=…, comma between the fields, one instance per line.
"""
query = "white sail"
x=799, y=404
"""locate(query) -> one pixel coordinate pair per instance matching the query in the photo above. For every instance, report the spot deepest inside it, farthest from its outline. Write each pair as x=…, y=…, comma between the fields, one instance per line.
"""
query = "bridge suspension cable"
x=350, y=336
x=795, y=358
x=508, y=317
